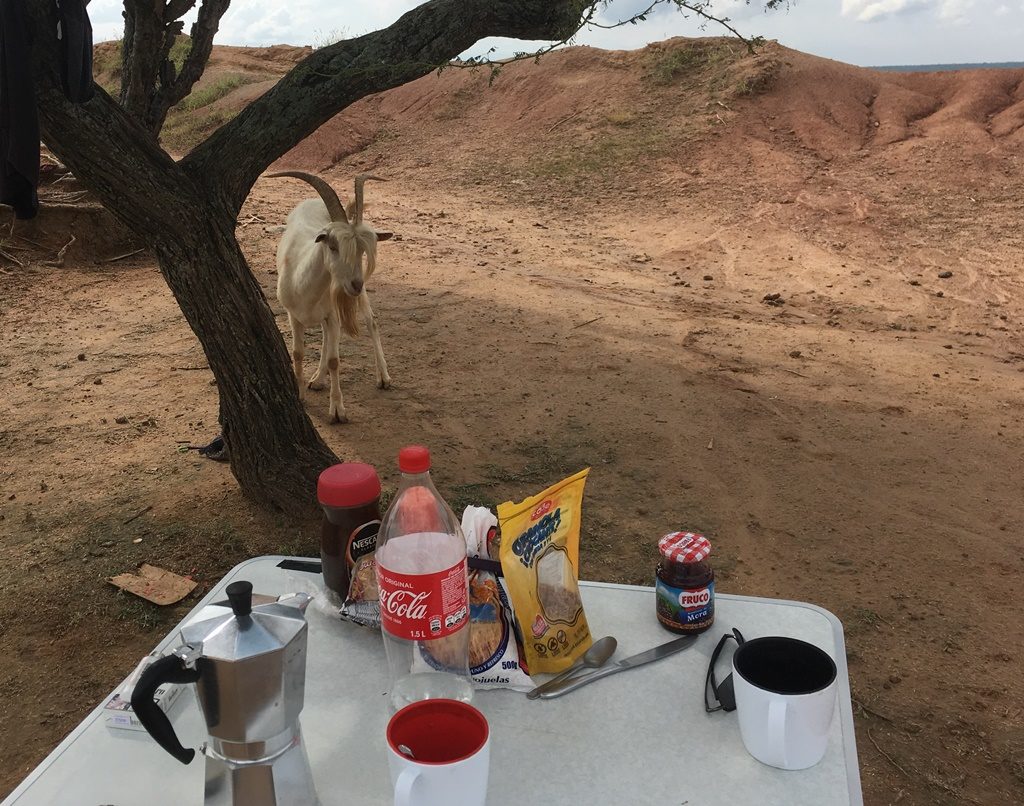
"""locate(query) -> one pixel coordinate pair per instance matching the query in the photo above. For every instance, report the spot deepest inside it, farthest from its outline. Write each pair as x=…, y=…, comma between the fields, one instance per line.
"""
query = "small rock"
x=939, y=294
x=774, y=300
x=945, y=275
x=936, y=375
x=122, y=420
x=44, y=440
x=515, y=251
x=98, y=382
x=81, y=356
x=708, y=277
x=107, y=544
x=12, y=496
x=137, y=540
x=947, y=346
x=915, y=282
x=42, y=487
x=795, y=354
x=894, y=678
x=642, y=258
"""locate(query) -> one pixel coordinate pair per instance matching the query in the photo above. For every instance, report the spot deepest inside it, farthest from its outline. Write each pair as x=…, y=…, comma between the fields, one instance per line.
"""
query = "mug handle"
x=777, y=728
x=404, y=784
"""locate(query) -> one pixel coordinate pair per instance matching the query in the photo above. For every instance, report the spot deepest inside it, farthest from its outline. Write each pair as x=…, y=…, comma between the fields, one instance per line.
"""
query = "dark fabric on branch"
x=19, y=123
x=74, y=32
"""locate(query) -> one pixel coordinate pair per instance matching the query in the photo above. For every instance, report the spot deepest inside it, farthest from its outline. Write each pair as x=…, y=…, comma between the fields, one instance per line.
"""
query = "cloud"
x=871, y=10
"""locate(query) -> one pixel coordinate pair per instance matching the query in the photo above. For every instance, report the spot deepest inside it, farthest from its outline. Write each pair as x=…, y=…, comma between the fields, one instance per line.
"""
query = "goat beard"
x=347, y=310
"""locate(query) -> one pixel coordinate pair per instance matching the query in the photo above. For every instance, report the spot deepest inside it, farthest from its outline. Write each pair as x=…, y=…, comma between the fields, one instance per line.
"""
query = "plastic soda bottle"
x=424, y=590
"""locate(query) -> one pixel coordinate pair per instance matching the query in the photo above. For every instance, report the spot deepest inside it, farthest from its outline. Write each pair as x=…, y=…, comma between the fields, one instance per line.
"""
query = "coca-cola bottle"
x=424, y=590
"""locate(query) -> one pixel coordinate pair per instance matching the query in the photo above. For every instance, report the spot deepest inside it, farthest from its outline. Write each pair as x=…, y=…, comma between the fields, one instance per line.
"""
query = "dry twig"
x=558, y=123
x=885, y=755
x=138, y=514
x=7, y=256
x=60, y=255
x=122, y=257
x=588, y=322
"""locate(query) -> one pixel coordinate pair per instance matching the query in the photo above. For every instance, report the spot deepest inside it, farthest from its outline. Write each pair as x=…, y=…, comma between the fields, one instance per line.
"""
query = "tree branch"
x=330, y=79
x=203, y=31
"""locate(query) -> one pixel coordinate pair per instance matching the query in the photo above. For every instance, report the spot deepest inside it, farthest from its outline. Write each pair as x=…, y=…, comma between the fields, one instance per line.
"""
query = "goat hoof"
x=339, y=418
x=384, y=383
x=316, y=386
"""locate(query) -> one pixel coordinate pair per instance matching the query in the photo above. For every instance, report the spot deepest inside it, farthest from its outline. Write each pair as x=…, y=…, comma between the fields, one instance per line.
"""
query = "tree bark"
x=150, y=82
x=186, y=211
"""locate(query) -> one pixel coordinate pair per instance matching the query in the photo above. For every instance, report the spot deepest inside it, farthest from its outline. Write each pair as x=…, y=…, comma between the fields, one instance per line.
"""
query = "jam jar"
x=685, y=588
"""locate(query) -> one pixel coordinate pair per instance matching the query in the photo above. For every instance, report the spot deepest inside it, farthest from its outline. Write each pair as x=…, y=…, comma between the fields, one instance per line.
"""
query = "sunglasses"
x=720, y=696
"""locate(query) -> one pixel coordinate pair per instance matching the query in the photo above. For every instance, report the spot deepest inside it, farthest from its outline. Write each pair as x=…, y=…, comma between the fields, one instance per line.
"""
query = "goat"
x=322, y=280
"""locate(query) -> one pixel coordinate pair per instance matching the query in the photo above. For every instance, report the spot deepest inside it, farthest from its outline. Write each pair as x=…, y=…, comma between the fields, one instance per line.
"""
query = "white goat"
x=322, y=280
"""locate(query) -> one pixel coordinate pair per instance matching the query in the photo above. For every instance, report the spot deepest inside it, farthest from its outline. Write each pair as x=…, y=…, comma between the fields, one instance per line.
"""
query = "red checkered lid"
x=684, y=547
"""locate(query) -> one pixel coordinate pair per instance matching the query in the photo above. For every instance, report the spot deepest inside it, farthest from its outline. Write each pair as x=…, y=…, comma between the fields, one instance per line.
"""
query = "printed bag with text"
x=540, y=542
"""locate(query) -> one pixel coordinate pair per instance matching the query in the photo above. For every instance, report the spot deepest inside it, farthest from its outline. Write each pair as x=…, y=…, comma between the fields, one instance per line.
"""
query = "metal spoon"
x=598, y=654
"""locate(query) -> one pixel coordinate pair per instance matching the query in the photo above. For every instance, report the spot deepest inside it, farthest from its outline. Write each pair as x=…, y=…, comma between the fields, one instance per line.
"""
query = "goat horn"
x=335, y=208
x=358, y=210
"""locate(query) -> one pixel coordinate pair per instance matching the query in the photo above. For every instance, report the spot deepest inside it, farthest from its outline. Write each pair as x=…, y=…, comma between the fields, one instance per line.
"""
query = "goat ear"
x=385, y=236
x=320, y=236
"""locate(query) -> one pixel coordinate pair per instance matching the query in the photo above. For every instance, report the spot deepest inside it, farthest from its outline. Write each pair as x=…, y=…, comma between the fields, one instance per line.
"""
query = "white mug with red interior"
x=785, y=697
x=438, y=754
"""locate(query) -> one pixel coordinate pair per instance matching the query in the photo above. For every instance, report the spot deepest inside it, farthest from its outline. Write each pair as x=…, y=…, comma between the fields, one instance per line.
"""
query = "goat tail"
x=348, y=309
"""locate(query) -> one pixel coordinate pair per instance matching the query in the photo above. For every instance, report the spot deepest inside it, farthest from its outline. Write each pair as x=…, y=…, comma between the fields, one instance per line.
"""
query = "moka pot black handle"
x=168, y=669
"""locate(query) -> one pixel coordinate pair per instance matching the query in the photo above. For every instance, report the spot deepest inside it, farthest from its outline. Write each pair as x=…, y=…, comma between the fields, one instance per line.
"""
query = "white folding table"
x=641, y=737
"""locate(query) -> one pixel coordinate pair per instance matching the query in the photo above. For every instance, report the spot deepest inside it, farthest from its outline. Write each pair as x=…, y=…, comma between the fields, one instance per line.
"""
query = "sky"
x=863, y=32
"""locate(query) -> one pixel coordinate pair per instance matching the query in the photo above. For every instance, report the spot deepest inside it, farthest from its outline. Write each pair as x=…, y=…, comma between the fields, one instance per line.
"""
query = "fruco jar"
x=685, y=588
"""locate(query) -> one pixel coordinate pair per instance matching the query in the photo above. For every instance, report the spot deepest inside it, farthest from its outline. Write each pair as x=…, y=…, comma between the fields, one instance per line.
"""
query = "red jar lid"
x=414, y=459
x=684, y=547
x=350, y=484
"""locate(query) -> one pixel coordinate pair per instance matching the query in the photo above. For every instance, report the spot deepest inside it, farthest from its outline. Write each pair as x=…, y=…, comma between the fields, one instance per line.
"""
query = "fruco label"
x=685, y=607
x=420, y=607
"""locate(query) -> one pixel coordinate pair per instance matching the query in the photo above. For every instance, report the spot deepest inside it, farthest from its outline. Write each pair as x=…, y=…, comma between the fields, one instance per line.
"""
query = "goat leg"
x=317, y=382
x=332, y=339
x=383, y=379
x=298, y=351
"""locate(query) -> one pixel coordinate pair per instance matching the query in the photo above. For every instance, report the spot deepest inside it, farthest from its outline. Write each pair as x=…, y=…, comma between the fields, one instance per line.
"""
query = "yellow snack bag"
x=540, y=552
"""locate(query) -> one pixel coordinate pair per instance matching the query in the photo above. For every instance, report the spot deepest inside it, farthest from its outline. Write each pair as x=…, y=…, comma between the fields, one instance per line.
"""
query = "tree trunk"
x=276, y=454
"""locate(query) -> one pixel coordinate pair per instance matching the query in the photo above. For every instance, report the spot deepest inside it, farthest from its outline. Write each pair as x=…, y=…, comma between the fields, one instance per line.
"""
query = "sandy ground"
x=578, y=286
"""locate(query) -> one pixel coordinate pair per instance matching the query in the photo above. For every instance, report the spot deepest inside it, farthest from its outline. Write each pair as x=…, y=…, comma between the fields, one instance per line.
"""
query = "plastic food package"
x=493, y=651
x=540, y=542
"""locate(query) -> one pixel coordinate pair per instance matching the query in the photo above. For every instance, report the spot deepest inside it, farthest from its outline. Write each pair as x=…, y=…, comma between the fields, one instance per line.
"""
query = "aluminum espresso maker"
x=249, y=668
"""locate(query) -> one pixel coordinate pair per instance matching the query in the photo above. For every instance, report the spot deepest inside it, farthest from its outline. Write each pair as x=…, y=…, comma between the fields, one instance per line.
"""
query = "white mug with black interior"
x=784, y=693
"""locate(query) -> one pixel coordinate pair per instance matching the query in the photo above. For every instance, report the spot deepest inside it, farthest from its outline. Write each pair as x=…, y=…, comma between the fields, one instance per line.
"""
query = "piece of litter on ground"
x=711, y=444
x=155, y=584
x=137, y=540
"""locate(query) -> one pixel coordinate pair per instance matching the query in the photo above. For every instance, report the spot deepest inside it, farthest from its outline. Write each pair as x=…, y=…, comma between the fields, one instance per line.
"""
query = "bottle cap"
x=350, y=484
x=414, y=459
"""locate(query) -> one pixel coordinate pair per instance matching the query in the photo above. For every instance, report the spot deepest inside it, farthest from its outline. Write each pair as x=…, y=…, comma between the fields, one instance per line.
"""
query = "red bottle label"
x=423, y=606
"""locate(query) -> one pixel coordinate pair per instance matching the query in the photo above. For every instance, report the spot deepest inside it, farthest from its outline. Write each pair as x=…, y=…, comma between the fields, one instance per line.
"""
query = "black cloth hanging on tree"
x=19, y=120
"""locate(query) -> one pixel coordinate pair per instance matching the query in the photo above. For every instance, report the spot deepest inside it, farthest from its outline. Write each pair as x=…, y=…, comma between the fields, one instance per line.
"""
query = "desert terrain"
x=774, y=298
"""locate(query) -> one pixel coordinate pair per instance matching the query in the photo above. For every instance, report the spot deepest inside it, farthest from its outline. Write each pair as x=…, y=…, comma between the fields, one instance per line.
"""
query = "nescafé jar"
x=349, y=494
x=685, y=588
